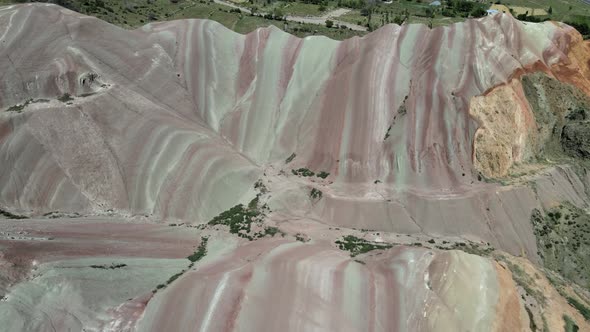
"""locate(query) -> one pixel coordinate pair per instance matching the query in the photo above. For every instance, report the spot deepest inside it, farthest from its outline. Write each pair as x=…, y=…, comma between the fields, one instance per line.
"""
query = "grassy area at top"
x=404, y=11
x=561, y=10
x=135, y=13
x=292, y=8
x=452, y=11
x=244, y=23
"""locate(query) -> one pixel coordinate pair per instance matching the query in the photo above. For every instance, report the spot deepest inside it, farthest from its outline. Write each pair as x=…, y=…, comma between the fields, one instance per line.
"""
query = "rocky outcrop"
x=576, y=138
x=507, y=129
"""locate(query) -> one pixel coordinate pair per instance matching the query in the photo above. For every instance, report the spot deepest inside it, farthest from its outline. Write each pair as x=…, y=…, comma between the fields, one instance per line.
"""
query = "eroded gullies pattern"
x=289, y=278
x=179, y=120
x=169, y=97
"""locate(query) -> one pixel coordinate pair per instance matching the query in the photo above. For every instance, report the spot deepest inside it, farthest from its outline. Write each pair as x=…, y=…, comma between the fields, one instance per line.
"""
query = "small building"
x=435, y=3
x=492, y=11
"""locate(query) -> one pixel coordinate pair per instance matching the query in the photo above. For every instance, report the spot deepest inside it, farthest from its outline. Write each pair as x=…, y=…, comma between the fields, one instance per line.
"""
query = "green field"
x=145, y=11
x=408, y=12
x=563, y=10
x=134, y=13
x=244, y=23
x=292, y=8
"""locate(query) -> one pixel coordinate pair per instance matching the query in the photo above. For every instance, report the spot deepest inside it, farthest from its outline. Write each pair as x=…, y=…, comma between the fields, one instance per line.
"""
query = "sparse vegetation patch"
x=10, y=215
x=315, y=193
x=302, y=172
x=301, y=237
x=201, y=251
x=194, y=257
x=19, y=107
x=239, y=218
x=563, y=241
x=272, y=231
x=259, y=185
x=65, y=98
x=323, y=174
x=523, y=280
x=108, y=267
x=358, y=246
x=291, y=157
x=387, y=133
x=174, y=277
x=584, y=310
x=570, y=324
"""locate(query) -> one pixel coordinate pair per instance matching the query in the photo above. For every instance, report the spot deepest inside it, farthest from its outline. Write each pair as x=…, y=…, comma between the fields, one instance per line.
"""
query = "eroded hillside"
x=184, y=177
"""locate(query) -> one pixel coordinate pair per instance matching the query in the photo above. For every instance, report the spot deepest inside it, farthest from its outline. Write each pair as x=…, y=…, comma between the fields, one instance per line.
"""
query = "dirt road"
x=319, y=20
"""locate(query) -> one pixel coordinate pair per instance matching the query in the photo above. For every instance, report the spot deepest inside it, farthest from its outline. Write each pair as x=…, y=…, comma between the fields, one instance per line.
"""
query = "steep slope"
x=268, y=94
x=409, y=141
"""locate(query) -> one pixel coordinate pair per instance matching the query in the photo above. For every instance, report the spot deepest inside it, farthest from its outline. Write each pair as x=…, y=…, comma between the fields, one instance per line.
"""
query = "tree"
x=278, y=14
x=464, y=6
x=478, y=12
x=550, y=10
x=329, y=23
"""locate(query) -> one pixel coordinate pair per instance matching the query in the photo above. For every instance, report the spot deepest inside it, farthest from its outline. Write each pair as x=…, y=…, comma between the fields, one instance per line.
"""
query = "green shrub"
x=253, y=205
x=19, y=107
x=387, y=133
x=323, y=174
x=315, y=193
x=65, y=98
x=300, y=237
x=174, y=277
x=10, y=215
x=302, y=172
x=584, y=310
x=239, y=218
x=272, y=231
x=570, y=324
x=111, y=267
x=201, y=251
x=259, y=185
x=478, y=12
x=291, y=157
x=358, y=246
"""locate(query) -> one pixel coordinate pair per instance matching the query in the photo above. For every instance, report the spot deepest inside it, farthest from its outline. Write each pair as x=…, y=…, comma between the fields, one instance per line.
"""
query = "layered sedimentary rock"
x=393, y=106
x=408, y=132
x=266, y=285
x=404, y=290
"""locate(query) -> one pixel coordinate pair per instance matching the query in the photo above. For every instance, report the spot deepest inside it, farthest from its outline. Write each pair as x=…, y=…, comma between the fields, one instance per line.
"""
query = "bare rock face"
x=507, y=129
x=314, y=185
x=576, y=138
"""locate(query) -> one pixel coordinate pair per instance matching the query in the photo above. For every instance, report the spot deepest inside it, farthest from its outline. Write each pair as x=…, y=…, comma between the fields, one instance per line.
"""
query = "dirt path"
x=336, y=13
x=319, y=20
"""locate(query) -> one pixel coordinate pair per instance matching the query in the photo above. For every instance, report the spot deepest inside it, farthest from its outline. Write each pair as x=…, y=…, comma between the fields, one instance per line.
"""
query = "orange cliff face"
x=506, y=129
x=577, y=70
x=508, y=133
